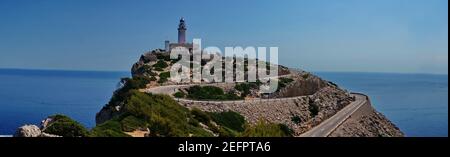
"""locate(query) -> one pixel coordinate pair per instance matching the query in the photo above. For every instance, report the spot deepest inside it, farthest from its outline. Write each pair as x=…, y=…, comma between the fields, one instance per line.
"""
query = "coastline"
x=363, y=82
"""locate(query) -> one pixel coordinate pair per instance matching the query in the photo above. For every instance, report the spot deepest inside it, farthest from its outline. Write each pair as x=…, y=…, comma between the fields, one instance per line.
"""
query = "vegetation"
x=210, y=93
x=284, y=81
x=161, y=64
x=64, y=126
x=159, y=69
x=264, y=129
x=163, y=56
x=296, y=119
x=162, y=115
x=227, y=124
x=245, y=88
x=179, y=95
x=111, y=128
x=145, y=69
x=201, y=116
x=313, y=108
x=163, y=77
x=305, y=76
x=134, y=83
x=165, y=118
x=230, y=119
x=332, y=83
x=131, y=123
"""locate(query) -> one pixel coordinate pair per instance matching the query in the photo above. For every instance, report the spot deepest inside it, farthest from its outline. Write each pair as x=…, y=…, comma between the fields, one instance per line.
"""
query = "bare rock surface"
x=367, y=122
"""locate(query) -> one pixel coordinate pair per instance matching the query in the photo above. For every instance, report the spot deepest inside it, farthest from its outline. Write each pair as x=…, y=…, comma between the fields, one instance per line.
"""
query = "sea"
x=416, y=103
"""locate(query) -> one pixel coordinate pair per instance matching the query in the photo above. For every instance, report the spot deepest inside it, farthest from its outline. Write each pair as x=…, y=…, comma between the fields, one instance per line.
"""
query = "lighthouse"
x=182, y=32
x=181, y=39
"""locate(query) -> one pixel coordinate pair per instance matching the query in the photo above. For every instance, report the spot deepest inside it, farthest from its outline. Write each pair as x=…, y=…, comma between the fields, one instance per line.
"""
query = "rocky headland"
x=149, y=104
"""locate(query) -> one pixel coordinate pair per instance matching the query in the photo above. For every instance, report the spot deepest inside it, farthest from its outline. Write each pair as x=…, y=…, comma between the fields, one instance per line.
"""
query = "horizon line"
x=318, y=71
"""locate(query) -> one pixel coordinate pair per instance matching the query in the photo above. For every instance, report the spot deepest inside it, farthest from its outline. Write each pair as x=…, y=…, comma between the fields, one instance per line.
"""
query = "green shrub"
x=163, y=56
x=163, y=77
x=305, y=76
x=227, y=132
x=64, y=126
x=230, y=119
x=201, y=116
x=245, y=88
x=179, y=95
x=159, y=69
x=313, y=108
x=130, y=84
x=286, y=130
x=264, y=129
x=131, y=123
x=164, y=116
x=161, y=64
x=193, y=122
x=162, y=80
x=111, y=128
x=210, y=93
x=296, y=119
x=282, y=82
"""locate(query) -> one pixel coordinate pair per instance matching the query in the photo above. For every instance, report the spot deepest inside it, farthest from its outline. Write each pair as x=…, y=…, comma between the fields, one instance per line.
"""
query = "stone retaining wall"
x=328, y=99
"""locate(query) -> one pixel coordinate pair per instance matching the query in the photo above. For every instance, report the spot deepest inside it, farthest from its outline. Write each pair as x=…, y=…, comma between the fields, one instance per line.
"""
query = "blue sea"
x=29, y=96
x=416, y=103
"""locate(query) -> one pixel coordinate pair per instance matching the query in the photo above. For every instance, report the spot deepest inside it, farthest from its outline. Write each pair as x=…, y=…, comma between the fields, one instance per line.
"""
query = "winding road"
x=325, y=128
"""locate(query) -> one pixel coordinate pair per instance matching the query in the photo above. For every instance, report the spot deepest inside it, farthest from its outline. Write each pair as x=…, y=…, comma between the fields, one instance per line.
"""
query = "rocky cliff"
x=367, y=122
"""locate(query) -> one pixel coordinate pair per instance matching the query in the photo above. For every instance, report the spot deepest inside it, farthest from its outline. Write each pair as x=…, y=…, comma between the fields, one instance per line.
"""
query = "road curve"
x=325, y=128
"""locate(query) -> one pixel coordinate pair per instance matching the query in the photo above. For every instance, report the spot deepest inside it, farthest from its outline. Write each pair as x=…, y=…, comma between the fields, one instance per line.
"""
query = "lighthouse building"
x=181, y=38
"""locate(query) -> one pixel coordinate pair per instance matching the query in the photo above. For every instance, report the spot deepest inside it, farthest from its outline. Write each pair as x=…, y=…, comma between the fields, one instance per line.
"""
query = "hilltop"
x=150, y=105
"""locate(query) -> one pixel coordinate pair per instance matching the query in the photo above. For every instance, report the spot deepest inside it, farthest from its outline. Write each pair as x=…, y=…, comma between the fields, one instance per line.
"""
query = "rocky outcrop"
x=304, y=84
x=107, y=112
x=139, y=68
x=28, y=131
x=31, y=131
x=367, y=122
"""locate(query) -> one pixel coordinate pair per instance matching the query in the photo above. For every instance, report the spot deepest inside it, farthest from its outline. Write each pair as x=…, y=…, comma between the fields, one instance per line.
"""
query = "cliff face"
x=367, y=122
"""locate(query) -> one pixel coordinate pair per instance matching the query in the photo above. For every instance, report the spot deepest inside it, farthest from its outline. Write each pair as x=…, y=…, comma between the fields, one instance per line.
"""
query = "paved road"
x=325, y=128
x=172, y=89
x=169, y=90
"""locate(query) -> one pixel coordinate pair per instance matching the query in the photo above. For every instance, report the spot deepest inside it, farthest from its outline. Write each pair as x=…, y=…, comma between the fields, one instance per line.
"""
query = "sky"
x=395, y=36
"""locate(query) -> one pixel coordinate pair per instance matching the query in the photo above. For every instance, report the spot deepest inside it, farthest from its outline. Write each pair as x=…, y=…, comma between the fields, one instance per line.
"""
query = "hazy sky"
x=408, y=36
